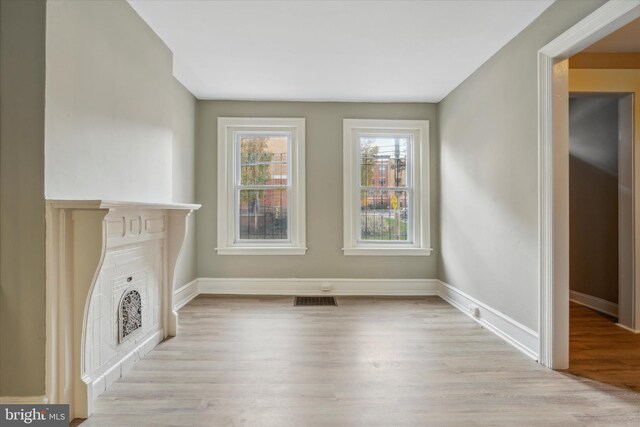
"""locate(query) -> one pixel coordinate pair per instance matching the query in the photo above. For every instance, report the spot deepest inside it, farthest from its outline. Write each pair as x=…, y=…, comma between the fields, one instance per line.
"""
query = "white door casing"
x=553, y=167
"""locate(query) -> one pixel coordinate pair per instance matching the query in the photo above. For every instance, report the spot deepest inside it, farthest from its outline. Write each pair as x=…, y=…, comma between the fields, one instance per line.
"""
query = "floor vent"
x=314, y=301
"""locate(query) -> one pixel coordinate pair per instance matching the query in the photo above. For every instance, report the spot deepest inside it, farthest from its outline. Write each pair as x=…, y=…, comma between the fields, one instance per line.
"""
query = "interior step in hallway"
x=260, y=361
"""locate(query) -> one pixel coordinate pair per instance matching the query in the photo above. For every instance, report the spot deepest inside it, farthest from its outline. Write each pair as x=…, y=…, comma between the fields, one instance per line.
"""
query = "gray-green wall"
x=324, y=193
x=184, y=188
x=489, y=171
x=22, y=221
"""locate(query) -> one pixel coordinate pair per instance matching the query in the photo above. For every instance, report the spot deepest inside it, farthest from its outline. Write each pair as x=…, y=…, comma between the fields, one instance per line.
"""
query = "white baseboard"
x=184, y=294
x=595, y=303
x=513, y=332
x=314, y=286
x=626, y=328
x=516, y=334
x=23, y=400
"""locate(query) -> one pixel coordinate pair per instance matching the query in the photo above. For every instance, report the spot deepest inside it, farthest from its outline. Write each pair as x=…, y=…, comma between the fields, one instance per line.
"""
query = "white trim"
x=545, y=215
x=23, y=400
x=418, y=176
x=270, y=250
x=303, y=286
x=184, y=294
x=628, y=329
x=117, y=204
x=388, y=251
x=595, y=303
x=226, y=208
x=513, y=332
x=603, y=21
x=553, y=172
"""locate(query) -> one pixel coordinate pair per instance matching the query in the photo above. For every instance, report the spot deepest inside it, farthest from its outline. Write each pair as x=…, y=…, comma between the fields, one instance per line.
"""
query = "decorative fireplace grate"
x=130, y=314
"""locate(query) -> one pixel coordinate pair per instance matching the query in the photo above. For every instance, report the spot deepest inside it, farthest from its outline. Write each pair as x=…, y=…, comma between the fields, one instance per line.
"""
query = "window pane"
x=383, y=215
x=263, y=160
x=383, y=161
x=263, y=214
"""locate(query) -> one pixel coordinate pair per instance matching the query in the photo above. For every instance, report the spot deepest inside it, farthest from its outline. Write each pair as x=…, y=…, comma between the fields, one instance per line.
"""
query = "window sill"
x=387, y=251
x=261, y=251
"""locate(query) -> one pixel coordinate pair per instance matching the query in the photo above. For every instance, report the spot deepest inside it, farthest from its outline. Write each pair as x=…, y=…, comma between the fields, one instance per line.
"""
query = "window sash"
x=238, y=186
x=408, y=188
x=260, y=242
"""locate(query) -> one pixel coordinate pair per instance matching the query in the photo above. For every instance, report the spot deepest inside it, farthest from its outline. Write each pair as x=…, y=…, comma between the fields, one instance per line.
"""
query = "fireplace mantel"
x=119, y=204
x=90, y=246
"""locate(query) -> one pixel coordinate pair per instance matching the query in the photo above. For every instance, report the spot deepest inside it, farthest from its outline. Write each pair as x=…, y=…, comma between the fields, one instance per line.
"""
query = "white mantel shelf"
x=96, y=251
x=118, y=204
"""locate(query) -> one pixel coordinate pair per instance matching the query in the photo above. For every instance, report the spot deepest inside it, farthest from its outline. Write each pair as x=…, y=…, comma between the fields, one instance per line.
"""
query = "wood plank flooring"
x=602, y=351
x=259, y=361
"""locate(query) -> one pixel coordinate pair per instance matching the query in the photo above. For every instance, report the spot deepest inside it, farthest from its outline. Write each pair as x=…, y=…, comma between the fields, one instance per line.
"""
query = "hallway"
x=602, y=351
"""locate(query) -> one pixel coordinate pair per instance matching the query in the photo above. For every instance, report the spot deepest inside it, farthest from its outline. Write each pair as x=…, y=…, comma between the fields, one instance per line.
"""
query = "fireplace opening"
x=130, y=314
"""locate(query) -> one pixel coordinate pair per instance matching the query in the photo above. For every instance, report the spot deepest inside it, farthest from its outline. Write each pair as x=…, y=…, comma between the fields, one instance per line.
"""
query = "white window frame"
x=228, y=174
x=419, y=227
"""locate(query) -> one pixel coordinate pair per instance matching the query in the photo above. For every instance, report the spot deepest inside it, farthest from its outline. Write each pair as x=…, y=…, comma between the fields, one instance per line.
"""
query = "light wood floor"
x=367, y=362
x=602, y=351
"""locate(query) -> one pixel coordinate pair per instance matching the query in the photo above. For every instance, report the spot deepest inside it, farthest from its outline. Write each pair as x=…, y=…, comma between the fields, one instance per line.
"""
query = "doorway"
x=601, y=346
x=600, y=203
x=554, y=221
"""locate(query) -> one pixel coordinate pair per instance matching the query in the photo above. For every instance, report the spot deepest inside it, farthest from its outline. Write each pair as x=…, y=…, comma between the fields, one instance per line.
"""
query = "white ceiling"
x=333, y=50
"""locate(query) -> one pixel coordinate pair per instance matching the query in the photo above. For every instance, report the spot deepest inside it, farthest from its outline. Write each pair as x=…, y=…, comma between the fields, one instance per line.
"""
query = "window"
x=386, y=187
x=261, y=198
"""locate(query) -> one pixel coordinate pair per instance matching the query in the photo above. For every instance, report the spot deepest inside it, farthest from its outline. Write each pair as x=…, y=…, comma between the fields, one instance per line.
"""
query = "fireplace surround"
x=110, y=281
